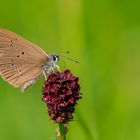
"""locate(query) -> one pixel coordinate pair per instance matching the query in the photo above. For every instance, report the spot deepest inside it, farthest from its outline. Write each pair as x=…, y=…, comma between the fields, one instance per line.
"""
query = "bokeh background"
x=105, y=37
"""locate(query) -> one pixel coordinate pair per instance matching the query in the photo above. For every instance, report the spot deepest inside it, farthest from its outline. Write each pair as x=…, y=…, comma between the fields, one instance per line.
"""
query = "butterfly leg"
x=57, y=67
x=45, y=75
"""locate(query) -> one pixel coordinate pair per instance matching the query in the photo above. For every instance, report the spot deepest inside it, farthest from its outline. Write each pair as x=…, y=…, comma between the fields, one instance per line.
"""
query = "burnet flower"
x=61, y=93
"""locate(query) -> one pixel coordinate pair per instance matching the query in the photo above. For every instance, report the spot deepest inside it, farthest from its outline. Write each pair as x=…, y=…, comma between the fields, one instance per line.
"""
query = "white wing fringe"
x=27, y=84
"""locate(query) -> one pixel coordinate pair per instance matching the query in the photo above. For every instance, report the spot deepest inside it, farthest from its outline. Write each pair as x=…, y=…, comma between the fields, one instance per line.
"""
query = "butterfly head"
x=54, y=57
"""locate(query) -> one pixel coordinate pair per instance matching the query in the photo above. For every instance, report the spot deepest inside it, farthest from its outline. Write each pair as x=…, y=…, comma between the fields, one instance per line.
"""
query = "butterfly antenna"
x=63, y=52
x=70, y=59
x=60, y=53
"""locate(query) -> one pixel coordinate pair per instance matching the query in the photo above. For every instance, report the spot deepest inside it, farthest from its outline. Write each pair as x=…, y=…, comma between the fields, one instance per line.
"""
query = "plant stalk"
x=62, y=135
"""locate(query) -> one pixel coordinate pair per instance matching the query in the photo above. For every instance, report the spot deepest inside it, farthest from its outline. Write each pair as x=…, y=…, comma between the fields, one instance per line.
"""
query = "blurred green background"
x=105, y=37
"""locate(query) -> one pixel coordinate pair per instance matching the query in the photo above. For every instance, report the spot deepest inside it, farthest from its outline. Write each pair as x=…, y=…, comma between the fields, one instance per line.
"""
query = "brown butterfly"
x=22, y=62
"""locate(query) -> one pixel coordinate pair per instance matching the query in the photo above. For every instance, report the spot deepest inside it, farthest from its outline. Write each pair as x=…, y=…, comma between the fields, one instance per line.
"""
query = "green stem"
x=62, y=135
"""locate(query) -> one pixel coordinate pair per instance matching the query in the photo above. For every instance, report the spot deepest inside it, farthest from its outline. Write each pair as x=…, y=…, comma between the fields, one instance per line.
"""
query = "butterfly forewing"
x=20, y=60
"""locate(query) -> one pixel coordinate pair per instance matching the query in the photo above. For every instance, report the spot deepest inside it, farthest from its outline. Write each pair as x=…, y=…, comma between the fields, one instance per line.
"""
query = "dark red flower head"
x=61, y=93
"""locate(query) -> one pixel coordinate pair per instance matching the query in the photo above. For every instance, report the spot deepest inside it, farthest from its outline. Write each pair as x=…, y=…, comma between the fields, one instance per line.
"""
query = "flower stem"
x=62, y=135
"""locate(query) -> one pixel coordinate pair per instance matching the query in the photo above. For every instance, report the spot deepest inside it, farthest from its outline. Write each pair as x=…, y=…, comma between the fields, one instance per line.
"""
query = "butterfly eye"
x=54, y=58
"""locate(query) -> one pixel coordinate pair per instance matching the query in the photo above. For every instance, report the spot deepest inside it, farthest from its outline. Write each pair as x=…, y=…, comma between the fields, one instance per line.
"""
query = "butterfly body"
x=22, y=62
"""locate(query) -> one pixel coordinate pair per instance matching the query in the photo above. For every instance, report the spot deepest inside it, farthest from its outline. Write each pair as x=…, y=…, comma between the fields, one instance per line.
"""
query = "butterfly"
x=22, y=62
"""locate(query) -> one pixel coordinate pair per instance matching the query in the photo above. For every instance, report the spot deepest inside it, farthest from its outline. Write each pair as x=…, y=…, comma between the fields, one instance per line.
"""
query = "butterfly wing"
x=20, y=60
